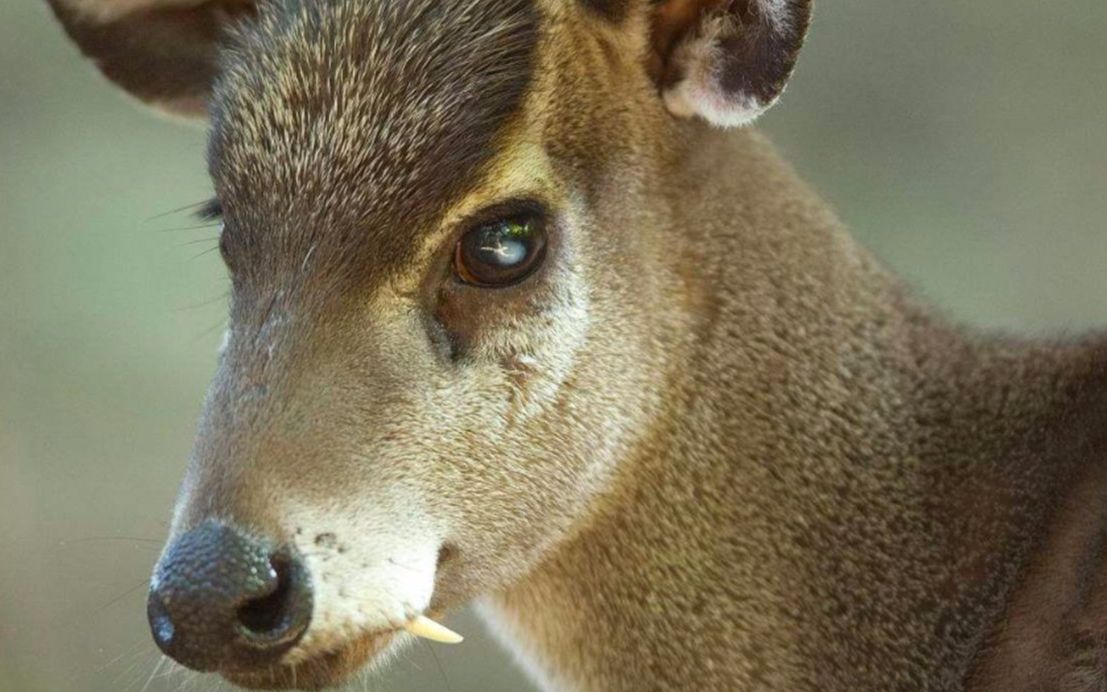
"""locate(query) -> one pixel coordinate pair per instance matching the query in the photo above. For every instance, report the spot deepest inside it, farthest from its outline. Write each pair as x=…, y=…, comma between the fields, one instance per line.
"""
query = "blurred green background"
x=964, y=141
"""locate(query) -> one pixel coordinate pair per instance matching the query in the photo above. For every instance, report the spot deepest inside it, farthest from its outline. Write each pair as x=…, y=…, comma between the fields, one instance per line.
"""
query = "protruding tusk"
x=429, y=629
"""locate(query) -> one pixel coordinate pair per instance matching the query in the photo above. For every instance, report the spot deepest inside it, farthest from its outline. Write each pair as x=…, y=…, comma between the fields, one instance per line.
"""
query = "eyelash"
x=212, y=210
x=523, y=206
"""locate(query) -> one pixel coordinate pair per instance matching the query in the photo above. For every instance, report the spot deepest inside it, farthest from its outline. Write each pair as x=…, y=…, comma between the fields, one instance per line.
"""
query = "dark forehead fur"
x=341, y=128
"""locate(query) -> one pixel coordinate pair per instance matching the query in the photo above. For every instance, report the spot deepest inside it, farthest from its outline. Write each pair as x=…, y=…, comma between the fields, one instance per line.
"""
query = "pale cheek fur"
x=369, y=573
x=544, y=349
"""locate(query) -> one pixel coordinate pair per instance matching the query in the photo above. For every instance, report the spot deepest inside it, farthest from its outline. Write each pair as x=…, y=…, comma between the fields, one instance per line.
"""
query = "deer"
x=525, y=314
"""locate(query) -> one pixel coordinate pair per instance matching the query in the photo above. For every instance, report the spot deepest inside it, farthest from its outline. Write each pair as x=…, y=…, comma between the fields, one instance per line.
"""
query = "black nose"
x=221, y=599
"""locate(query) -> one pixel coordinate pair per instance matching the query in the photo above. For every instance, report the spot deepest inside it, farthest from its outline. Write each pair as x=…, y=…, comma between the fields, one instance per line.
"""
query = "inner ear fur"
x=164, y=52
x=726, y=61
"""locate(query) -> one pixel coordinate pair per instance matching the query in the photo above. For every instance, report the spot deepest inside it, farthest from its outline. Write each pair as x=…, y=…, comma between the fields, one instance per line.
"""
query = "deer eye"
x=501, y=253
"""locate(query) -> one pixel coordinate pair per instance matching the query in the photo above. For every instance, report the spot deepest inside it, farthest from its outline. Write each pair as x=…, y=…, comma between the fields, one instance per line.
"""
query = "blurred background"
x=965, y=142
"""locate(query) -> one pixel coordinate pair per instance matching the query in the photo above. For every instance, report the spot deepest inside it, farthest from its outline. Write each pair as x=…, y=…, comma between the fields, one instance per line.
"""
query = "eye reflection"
x=505, y=251
x=500, y=253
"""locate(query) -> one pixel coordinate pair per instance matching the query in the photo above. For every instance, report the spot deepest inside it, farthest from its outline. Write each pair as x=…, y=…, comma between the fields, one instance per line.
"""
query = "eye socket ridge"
x=503, y=245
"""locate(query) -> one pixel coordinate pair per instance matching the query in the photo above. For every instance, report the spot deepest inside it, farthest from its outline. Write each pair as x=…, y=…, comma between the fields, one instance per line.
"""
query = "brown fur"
x=712, y=444
x=164, y=53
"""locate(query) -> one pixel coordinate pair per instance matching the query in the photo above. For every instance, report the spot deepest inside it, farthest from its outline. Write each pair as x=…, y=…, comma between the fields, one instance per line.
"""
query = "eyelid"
x=521, y=208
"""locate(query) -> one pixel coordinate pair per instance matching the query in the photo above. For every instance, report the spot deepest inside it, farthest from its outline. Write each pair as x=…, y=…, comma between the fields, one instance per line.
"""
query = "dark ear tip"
x=734, y=64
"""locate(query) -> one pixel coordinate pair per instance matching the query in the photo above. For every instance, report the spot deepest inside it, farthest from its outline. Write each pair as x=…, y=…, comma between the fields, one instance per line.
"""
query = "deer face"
x=451, y=301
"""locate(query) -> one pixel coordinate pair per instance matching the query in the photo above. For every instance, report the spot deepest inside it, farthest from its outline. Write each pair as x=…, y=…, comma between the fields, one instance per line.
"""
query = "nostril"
x=281, y=615
x=262, y=616
x=221, y=597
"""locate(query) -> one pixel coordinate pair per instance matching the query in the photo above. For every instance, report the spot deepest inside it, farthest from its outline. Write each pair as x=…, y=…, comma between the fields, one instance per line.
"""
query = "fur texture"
x=711, y=444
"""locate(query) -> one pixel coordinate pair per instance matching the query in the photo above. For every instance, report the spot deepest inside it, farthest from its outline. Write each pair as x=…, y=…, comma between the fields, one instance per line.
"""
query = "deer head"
x=451, y=231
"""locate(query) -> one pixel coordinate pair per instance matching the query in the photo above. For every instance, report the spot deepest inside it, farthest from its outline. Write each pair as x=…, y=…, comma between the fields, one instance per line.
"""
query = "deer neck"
x=839, y=475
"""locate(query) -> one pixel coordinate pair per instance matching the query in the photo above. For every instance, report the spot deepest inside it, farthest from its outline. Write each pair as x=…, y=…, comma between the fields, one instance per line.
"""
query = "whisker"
x=205, y=252
x=173, y=670
x=410, y=660
x=182, y=229
x=178, y=210
x=130, y=669
x=154, y=673
x=438, y=664
x=92, y=539
x=135, y=650
x=198, y=241
x=186, y=679
x=120, y=597
x=169, y=670
x=104, y=666
x=208, y=332
x=204, y=304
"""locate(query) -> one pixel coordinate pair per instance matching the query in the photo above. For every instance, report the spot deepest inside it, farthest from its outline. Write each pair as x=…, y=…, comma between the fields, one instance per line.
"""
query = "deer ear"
x=165, y=52
x=727, y=61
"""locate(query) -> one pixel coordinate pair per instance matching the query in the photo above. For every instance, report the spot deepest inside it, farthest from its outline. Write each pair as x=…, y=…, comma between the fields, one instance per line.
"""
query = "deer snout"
x=222, y=599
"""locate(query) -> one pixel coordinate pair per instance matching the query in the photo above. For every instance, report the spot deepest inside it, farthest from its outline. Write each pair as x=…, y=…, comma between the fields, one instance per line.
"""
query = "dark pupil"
x=500, y=252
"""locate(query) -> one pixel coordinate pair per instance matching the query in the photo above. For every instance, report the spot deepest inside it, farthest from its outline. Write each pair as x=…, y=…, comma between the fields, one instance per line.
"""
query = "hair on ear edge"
x=703, y=57
x=104, y=11
x=699, y=91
